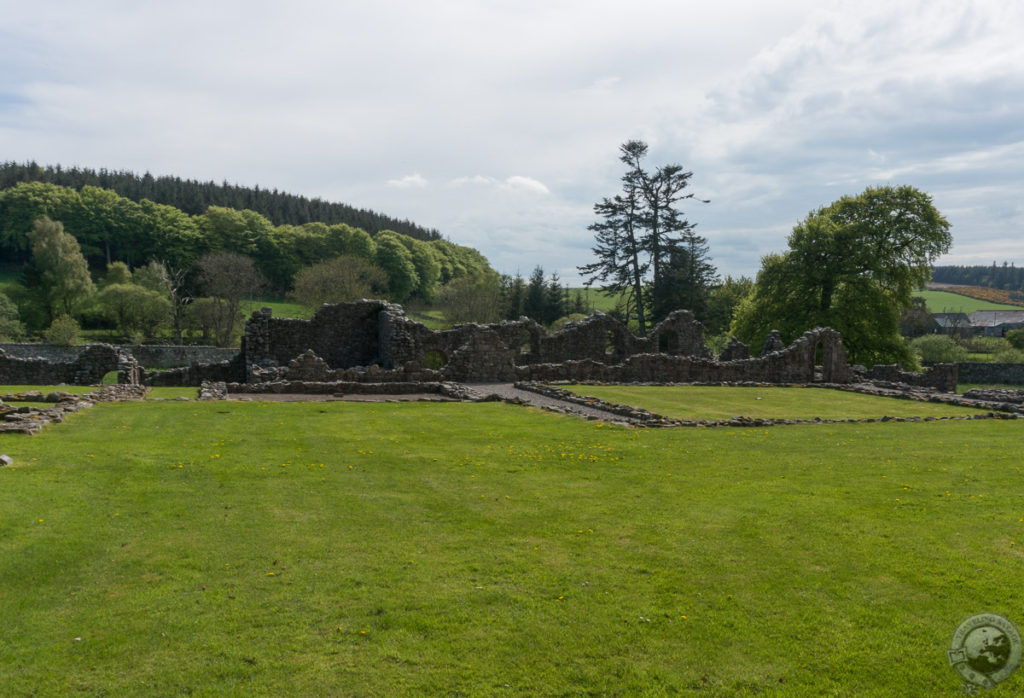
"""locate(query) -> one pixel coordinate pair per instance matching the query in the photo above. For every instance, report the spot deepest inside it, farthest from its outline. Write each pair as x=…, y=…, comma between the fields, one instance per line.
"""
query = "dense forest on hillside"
x=111, y=228
x=194, y=197
x=1003, y=276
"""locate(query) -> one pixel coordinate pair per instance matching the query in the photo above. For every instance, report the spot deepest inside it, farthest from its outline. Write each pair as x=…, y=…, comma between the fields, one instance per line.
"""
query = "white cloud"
x=525, y=184
x=515, y=183
x=412, y=181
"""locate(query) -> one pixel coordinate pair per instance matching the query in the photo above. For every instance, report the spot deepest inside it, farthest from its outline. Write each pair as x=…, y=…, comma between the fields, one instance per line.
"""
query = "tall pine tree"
x=645, y=247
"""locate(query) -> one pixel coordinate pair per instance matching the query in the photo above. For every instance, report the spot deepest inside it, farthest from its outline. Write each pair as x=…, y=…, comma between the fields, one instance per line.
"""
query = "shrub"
x=63, y=332
x=938, y=348
x=1016, y=338
x=1009, y=356
x=11, y=328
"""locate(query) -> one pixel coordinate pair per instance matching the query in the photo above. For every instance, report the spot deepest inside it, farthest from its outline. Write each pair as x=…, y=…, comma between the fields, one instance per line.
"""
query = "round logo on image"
x=985, y=650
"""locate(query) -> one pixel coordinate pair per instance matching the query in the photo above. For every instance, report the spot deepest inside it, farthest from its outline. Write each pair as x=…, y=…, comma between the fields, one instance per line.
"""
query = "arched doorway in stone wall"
x=615, y=347
x=827, y=359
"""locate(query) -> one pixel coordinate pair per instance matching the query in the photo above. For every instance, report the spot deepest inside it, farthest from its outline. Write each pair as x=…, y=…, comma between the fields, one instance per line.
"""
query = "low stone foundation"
x=220, y=390
x=942, y=377
x=645, y=418
x=29, y=419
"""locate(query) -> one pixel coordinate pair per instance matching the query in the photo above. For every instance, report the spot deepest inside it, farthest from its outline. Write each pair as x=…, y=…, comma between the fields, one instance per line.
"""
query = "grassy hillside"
x=944, y=302
x=246, y=548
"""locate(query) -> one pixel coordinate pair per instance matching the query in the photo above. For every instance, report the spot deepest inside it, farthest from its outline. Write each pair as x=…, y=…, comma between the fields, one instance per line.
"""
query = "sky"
x=498, y=122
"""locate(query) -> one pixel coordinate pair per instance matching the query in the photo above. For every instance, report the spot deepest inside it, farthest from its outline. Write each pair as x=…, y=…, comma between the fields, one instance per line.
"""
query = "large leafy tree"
x=345, y=278
x=22, y=205
x=475, y=298
x=58, y=276
x=228, y=278
x=137, y=310
x=397, y=262
x=853, y=266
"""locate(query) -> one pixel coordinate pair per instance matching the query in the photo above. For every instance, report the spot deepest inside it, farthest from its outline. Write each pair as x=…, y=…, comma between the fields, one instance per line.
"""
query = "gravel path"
x=507, y=391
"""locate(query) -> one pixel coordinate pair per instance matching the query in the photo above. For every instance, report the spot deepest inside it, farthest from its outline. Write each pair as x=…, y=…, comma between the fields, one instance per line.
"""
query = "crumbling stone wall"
x=88, y=368
x=196, y=374
x=976, y=372
x=942, y=377
x=597, y=348
x=793, y=364
x=344, y=335
x=153, y=355
x=374, y=341
x=734, y=350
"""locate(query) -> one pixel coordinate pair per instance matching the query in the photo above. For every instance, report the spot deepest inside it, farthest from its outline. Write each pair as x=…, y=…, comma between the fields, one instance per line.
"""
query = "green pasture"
x=281, y=308
x=596, y=299
x=718, y=402
x=945, y=302
x=249, y=548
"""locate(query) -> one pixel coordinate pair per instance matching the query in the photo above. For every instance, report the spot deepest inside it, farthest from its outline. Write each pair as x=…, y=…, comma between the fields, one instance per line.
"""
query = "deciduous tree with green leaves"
x=57, y=276
x=11, y=329
x=345, y=278
x=228, y=278
x=852, y=266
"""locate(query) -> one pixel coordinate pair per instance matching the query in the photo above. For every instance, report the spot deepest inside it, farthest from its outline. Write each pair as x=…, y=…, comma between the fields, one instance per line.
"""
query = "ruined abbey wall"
x=87, y=368
x=374, y=342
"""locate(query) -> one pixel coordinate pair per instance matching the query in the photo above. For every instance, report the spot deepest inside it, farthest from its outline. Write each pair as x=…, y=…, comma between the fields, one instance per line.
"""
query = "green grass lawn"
x=246, y=548
x=44, y=389
x=945, y=302
x=719, y=402
x=171, y=392
x=158, y=392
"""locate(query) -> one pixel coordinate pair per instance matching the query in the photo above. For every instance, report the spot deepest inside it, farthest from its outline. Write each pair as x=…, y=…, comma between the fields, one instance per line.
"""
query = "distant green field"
x=944, y=302
x=595, y=299
x=281, y=308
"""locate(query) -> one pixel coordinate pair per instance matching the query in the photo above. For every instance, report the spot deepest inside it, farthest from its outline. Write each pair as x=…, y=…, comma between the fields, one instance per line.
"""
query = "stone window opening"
x=668, y=343
x=434, y=360
x=526, y=342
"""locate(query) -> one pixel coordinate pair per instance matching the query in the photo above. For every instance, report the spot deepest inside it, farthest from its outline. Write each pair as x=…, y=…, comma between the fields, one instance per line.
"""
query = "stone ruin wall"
x=344, y=335
x=154, y=355
x=88, y=368
x=374, y=341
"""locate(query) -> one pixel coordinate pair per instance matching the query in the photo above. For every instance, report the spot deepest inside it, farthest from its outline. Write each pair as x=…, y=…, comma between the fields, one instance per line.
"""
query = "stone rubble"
x=30, y=419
